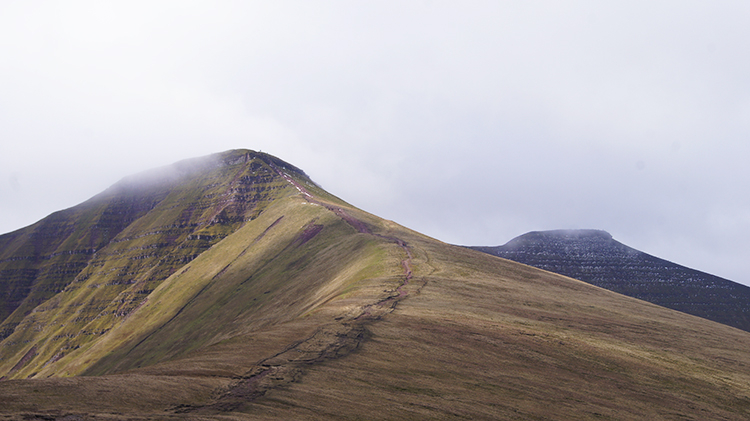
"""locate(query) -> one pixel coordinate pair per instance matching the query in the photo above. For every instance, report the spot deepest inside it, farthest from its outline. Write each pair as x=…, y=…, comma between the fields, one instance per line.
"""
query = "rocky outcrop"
x=595, y=257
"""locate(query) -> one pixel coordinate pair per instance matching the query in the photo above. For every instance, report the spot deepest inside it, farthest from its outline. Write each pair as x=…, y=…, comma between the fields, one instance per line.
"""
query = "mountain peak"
x=188, y=167
x=570, y=240
x=593, y=256
x=577, y=233
x=146, y=226
x=570, y=234
x=234, y=287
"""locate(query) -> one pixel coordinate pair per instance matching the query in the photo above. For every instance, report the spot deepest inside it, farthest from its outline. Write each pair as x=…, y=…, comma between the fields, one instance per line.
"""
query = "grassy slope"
x=267, y=325
x=248, y=298
x=39, y=261
x=241, y=287
x=487, y=338
x=474, y=337
x=273, y=283
x=159, y=227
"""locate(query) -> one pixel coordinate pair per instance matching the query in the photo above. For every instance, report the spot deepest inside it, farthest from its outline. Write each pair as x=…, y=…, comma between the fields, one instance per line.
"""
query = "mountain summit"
x=233, y=287
x=595, y=257
x=121, y=244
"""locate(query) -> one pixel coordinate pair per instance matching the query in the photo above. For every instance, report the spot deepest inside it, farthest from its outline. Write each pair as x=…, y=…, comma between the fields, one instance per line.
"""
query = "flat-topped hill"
x=595, y=257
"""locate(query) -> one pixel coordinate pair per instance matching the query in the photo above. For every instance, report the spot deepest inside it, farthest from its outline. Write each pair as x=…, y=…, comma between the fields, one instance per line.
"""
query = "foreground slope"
x=485, y=338
x=595, y=257
x=314, y=309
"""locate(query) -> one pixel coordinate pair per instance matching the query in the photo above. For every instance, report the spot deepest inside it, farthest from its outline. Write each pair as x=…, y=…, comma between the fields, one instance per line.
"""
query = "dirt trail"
x=330, y=341
x=354, y=222
x=362, y=228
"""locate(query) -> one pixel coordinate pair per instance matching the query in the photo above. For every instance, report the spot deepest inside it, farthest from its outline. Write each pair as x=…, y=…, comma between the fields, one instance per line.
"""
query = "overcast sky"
x=472, y=122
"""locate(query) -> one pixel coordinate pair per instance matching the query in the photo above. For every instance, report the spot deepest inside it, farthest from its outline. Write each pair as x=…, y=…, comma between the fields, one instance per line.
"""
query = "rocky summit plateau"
x=593, y=256
x=233, y=287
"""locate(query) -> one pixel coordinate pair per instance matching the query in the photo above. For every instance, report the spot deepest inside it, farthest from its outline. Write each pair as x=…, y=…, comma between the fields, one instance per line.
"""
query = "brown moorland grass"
x=365, y=319
x=482, y=338
x=490, y=339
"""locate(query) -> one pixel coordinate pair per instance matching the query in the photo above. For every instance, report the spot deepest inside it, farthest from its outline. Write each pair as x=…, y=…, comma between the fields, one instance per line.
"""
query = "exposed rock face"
x=595, y=257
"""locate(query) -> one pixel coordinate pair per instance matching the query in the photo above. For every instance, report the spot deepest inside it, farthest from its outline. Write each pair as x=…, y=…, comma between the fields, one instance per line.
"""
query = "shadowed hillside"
x=595, y=257
x=305, y=307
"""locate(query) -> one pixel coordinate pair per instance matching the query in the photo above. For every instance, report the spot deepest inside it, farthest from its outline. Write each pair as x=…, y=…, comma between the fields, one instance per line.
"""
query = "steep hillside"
x=313, y=309
x=79, y=272
x=595, y=257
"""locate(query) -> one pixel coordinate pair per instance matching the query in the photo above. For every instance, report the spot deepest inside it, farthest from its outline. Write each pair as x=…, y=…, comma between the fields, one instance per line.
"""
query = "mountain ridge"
x=256, y=294
x=594, y=256
x=118, y=231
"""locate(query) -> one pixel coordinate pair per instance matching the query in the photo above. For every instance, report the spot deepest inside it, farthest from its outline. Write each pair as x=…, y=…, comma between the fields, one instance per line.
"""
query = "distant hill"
x=233, y=287
x=595, y=257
